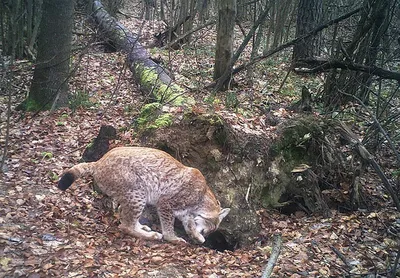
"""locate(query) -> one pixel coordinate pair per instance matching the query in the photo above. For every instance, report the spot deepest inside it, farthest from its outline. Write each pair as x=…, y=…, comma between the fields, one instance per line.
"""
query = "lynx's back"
x=126, y=170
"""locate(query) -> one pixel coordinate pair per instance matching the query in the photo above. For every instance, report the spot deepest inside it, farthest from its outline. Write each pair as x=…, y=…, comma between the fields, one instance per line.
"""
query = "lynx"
x=135, y=176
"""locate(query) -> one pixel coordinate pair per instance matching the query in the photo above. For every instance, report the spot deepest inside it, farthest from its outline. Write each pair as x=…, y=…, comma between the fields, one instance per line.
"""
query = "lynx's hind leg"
x=130, y=214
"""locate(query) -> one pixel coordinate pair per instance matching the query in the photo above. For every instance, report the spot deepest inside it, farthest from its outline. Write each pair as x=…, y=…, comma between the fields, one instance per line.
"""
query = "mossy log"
x=152, y=78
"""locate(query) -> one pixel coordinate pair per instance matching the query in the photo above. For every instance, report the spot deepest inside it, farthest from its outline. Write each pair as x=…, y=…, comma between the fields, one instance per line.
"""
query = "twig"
x=396, y=262
x=284, y=80
x=276, y=249
x=7, y=136
x=363, y=152
x=212, y=22
x=341, y=256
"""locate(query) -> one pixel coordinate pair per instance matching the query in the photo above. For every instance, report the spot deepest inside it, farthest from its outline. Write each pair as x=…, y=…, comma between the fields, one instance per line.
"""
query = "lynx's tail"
x=75, y=173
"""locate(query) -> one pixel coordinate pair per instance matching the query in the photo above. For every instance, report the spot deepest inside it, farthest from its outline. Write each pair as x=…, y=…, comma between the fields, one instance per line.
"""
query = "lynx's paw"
x=199, y=239
x=175, y=239
x=155, y=235
x=138, y=231
x=145, y=227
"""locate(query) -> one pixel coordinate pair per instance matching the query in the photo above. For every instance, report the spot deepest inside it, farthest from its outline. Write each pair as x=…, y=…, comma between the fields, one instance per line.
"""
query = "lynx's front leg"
x=167, y=219
x=130, y=215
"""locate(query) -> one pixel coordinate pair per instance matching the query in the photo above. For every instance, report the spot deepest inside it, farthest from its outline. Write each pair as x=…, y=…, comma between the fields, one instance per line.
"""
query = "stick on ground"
x=276, y=249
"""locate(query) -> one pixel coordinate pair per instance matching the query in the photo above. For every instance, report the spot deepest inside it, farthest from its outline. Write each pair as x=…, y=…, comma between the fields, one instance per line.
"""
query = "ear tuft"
x=66, y=180
x=224, y=212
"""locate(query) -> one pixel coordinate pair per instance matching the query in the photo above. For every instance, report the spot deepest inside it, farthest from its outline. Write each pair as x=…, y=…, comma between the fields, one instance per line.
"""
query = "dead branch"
x=170, y=44
x=276, y=249
x=324, y=65
x=341, y=256
x=294, y=41
x=348, y=135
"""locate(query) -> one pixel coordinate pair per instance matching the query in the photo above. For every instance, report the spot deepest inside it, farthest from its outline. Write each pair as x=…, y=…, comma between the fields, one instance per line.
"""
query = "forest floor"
x=48, y=233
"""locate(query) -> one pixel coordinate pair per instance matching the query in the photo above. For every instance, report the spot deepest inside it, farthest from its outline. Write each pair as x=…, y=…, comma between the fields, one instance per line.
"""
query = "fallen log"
x=152, y=78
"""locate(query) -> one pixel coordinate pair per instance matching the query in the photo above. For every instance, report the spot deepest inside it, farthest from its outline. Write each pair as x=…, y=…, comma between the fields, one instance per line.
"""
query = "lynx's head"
x=206, y=224
x=210, y=215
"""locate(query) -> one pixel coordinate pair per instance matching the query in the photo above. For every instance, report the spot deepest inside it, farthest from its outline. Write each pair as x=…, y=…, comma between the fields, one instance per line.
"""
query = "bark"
x=49, y=85
x=225, y=36
x=153, y=79
x=228, y=71
x=304, y=104
x=308, y=15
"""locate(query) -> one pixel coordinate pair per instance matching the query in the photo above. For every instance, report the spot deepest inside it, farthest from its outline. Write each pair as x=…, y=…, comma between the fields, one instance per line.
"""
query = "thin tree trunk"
x=225, y=35
x=51, y=72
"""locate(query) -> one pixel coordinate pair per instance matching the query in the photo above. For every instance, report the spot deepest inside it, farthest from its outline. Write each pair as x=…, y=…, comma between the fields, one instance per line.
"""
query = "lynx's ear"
x=224, y=212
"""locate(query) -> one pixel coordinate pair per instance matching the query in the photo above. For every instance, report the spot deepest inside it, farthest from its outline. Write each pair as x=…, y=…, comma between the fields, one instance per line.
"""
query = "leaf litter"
x=45, y=232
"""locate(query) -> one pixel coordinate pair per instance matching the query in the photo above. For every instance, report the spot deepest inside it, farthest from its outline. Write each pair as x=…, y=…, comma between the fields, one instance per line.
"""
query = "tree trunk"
x=363, y=50
x=308, y=16
x=50, y=78
x=113, y=6
x=19, y=21
x=225, y=36
x=149, y=6
x=282, y=15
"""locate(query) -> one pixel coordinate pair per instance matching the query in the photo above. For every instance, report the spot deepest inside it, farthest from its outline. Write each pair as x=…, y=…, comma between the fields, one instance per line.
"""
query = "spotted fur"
x=136, y=176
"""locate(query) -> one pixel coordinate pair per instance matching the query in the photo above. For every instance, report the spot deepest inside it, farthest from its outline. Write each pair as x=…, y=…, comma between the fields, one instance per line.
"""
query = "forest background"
x=289, y=108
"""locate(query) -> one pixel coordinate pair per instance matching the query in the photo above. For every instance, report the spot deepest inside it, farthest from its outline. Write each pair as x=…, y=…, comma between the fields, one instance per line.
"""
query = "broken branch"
x=276, y=249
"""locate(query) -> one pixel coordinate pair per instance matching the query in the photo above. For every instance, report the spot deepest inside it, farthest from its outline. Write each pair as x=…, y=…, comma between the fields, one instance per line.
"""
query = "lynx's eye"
x=204, y=226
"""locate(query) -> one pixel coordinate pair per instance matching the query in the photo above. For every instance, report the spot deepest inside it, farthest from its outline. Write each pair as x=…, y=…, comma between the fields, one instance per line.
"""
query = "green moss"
x=162, y=121
x=161, y=92
x=212, y=119
x=32, y=105
x=297, y=144
x=152, y=117
x=148, y=111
